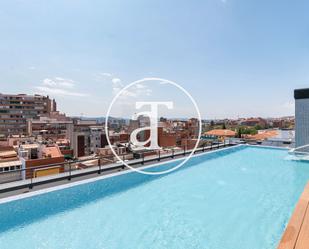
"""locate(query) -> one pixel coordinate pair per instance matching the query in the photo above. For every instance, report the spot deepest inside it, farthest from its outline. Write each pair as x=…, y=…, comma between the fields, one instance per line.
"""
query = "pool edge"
x=98, y=178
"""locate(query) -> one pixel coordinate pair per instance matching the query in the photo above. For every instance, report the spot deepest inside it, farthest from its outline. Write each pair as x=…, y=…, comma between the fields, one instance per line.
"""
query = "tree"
x=258, y=127
x=246, y=130
x=239, y=132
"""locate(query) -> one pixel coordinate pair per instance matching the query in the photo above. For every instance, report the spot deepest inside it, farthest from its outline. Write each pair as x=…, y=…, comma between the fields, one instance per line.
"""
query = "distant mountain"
x=100, y=119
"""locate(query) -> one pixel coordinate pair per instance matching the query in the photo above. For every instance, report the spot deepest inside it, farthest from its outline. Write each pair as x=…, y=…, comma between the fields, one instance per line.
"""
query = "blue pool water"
x=240, y=198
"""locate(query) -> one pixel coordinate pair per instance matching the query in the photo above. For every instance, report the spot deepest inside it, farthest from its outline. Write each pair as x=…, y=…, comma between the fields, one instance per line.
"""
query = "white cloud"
x=102, y=77
x=59, y=82
x=106, y=74
x=59, y=92
x=116, y=81
x=136, y=90
x=116, y=85
x=140, y=86
x=59, y=87
x=127, y=93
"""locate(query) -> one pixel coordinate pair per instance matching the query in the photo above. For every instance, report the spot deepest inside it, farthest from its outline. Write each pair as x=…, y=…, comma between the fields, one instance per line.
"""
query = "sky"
x=237, y=58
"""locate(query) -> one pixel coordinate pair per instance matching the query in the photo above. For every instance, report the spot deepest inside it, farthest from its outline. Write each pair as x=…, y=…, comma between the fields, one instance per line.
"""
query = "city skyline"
x=154, y=124
x=236, y=58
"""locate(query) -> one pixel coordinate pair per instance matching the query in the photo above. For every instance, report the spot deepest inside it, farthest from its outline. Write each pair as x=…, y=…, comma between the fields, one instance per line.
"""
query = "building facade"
x=301, y=117
x=85, y=138
x=254, y=122
x=35, y=156
x=15, y=110
x=10, y=165
x=52, y=126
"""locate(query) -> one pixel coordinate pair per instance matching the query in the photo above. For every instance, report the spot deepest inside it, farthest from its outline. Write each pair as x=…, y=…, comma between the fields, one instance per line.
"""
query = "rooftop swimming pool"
x=237, y=198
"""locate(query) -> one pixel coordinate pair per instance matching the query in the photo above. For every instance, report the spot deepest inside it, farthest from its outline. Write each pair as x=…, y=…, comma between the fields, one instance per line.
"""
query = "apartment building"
x=51, y=126
x=10, y=165
x=193, y=127
x=15, y=110
x=85, y=137
x=254, y=122
x=36, y=155
x=301, y=117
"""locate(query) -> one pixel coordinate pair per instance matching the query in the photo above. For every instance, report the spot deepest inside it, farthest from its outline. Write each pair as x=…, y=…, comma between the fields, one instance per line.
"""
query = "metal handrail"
x=185, y=151
x=133, y=162
x=295, y=150
x=54, y=165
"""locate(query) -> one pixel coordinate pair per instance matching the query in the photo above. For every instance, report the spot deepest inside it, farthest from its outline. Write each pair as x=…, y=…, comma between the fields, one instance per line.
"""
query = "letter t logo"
x=153, y=128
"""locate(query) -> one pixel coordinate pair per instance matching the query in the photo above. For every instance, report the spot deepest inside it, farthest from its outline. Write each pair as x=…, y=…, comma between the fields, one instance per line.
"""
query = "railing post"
x=211, y=145
x=143, y=158
x=159, y=158
x=31, y=180
x=172, y=153
x=69, y=178
x=99, y=172
x=223, y=142
x=123, y=159
x=184, y=150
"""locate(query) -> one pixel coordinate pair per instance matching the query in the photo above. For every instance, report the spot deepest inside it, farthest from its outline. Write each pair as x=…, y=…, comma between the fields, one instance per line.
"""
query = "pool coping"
x=268, y=147
x=296, y=234
x=97, y=178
